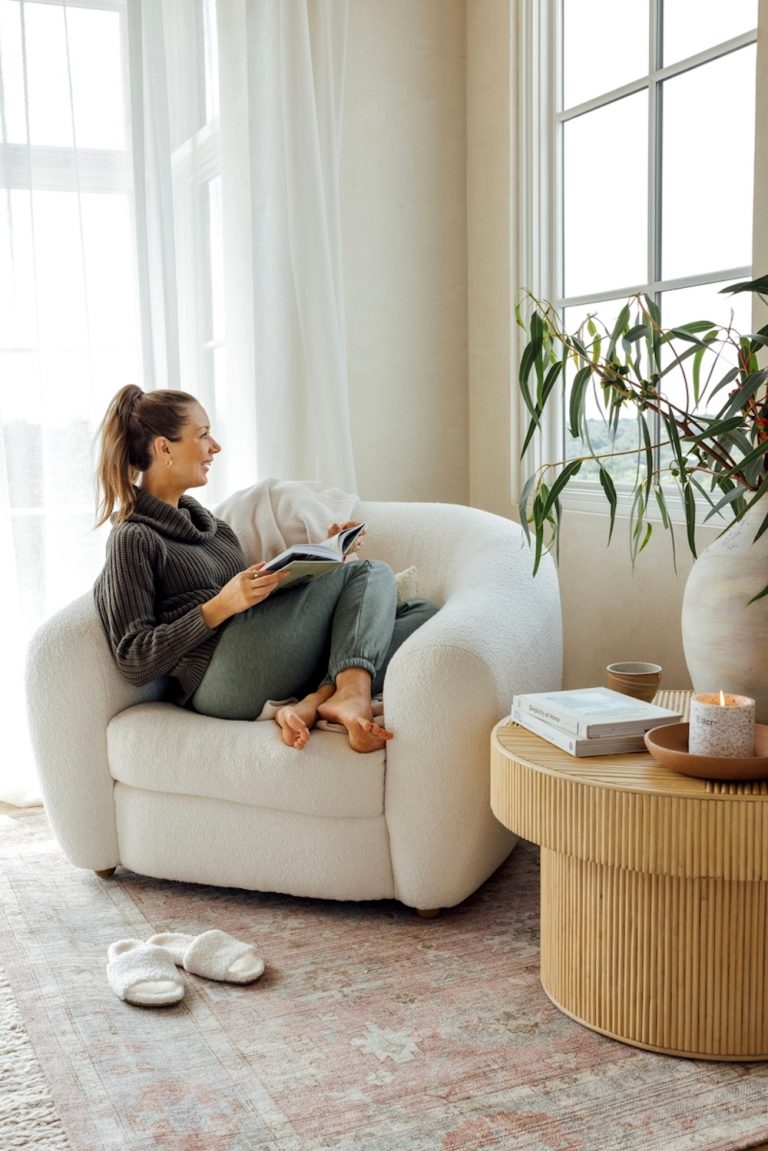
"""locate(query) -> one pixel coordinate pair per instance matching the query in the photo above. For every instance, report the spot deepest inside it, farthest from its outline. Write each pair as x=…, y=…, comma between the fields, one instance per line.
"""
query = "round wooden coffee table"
x=654, y=893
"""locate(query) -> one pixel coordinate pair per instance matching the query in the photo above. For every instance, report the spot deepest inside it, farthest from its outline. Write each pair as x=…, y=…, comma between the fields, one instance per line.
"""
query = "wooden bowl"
x=669, y=745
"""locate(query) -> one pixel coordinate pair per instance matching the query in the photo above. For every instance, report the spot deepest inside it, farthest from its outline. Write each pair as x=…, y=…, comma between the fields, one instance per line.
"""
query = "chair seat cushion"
x=161, y=747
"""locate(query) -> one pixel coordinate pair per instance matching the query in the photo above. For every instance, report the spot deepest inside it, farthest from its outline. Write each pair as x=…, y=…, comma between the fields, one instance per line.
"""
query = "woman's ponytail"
x=132, y=422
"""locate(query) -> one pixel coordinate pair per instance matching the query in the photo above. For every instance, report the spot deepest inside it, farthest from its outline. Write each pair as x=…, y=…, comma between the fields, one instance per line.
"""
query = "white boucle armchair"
x=130, y=780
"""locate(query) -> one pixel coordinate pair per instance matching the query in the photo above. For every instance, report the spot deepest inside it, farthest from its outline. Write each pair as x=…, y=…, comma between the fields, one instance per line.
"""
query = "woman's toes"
x=294, y=730
x=365, y=735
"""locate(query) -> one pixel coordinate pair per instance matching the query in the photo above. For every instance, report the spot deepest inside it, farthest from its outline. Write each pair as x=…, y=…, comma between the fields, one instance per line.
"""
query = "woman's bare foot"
x=296, y=720
x=367, y=735
x=350, y=705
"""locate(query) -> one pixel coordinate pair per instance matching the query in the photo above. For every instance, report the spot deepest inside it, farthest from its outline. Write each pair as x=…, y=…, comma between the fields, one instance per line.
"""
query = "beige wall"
x=404, y=218
x=491, y=209
x=612, y=613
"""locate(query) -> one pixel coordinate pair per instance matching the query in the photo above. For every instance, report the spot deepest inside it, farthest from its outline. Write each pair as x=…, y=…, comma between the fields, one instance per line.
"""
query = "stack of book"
x=590, y=720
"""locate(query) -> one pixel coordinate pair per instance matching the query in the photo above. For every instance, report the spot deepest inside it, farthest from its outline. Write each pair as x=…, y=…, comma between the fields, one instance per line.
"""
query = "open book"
x=303, y=561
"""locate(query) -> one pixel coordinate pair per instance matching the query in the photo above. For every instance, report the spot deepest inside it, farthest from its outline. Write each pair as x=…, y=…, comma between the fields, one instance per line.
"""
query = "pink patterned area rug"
x=370, y=1029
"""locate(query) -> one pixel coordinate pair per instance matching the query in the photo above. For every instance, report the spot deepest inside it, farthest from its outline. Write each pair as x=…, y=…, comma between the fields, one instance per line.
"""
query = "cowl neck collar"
x=190, y=522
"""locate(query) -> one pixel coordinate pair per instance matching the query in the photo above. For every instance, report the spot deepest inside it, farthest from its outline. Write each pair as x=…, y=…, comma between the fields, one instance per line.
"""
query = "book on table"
x=304, y=561
x=592, y=712
x=576, y=745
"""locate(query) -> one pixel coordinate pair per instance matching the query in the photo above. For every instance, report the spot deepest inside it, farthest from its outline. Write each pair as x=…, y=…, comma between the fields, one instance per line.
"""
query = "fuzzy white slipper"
x=142, y=974
x=214, y=955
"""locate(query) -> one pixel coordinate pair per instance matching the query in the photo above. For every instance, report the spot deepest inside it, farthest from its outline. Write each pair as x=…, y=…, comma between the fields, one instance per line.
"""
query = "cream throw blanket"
x=273, y=514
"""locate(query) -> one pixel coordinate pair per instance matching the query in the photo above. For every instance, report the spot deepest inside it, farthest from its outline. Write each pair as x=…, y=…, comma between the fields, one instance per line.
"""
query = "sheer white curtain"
x=281, y=84
x=170, y=216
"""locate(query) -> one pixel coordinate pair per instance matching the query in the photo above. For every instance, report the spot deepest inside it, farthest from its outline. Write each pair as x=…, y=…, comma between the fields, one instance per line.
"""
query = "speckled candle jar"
x=727, y=731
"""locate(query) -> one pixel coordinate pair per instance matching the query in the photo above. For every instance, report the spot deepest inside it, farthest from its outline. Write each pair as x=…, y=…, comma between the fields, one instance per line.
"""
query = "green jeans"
x=301, y=638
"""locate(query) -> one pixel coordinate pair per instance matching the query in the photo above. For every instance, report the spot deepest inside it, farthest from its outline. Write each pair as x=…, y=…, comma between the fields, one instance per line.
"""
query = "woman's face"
x=193, y=453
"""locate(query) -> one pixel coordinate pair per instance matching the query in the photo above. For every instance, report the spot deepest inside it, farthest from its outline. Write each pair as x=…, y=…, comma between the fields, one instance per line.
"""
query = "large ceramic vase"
x=725, y=638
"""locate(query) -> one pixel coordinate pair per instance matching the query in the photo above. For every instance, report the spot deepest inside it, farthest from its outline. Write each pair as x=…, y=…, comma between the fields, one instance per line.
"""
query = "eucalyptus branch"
x=624, y=368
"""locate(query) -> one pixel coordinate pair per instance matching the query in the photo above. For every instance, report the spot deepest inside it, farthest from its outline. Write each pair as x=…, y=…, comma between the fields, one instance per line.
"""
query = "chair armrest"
x=73, y=690
x=498, y=632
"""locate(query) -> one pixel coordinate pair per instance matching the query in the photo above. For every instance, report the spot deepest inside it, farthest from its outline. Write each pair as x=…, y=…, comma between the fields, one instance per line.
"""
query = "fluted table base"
x=672, y=965
x=654, y=894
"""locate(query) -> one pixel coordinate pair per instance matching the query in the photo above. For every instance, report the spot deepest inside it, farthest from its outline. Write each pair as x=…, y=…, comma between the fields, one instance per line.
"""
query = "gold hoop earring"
x=169, y=462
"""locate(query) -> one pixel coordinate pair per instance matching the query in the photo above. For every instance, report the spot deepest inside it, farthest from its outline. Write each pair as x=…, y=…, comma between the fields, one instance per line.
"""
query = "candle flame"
x=722, y=698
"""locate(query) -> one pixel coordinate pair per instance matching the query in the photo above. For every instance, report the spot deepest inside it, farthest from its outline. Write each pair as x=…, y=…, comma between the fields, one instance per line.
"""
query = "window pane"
x=50, y=111
x=12, y=121
x=691, y=26
x=73, y=62
x=97, y=83
x=108, y=256
x=605, y=45
x=605, y=197
x=705, y=303
x=59, y=279
x=708, y=164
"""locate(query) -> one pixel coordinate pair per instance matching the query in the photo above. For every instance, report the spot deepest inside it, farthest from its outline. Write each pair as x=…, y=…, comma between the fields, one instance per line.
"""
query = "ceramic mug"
x=640, y=680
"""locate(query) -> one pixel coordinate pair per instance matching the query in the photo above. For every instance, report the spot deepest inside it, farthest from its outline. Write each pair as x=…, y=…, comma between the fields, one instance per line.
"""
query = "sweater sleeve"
x=125, y=596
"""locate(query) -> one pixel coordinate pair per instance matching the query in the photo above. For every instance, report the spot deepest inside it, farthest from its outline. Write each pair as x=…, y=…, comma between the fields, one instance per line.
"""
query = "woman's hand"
x=247, y=588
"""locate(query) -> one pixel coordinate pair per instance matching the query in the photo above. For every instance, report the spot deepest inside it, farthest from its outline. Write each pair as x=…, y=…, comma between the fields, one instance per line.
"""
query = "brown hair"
x=132, y=421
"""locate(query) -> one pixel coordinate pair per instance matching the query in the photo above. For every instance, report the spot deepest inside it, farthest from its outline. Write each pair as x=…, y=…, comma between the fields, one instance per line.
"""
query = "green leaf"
x=714, y=430
x=527, y=362
x=758, y=453
x=648, y=451
x=684, y=331
x=666, y=520
x=698, y=357
x=576, y=402
x=621, y=323
x=674, y=440
x=747, y=390
x=539, y=522
x=610, y=495
x=635, y=333
x=568, y=472
x=549, y=382
x=689, y=506
x=736, y=493
x=727, y=379
x=759, y=595
x=646, y=538
x=758, y=285
x=654, y=310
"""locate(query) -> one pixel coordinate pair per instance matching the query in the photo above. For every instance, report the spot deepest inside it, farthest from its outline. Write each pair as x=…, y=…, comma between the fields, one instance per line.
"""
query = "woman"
x=177, y=597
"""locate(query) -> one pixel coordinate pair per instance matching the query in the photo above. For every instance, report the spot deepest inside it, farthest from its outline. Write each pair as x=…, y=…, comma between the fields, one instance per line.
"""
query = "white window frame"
x=540, y=239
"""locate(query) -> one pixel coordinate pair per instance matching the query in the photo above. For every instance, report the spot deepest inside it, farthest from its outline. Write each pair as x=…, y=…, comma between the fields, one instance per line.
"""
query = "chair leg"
x=428, y=912
x=106, y=874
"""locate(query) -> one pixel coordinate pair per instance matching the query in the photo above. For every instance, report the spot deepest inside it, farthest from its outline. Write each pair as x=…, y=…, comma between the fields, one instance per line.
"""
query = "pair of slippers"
x=146, y=973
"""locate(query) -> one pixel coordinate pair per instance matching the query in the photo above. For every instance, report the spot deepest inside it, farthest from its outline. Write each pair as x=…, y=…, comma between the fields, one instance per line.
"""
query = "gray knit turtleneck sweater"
x=162, y=564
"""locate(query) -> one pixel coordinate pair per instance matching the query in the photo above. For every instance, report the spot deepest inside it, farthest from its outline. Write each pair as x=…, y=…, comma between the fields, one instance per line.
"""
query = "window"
x=68, y=301
x=652, y=158
x=90, y=282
